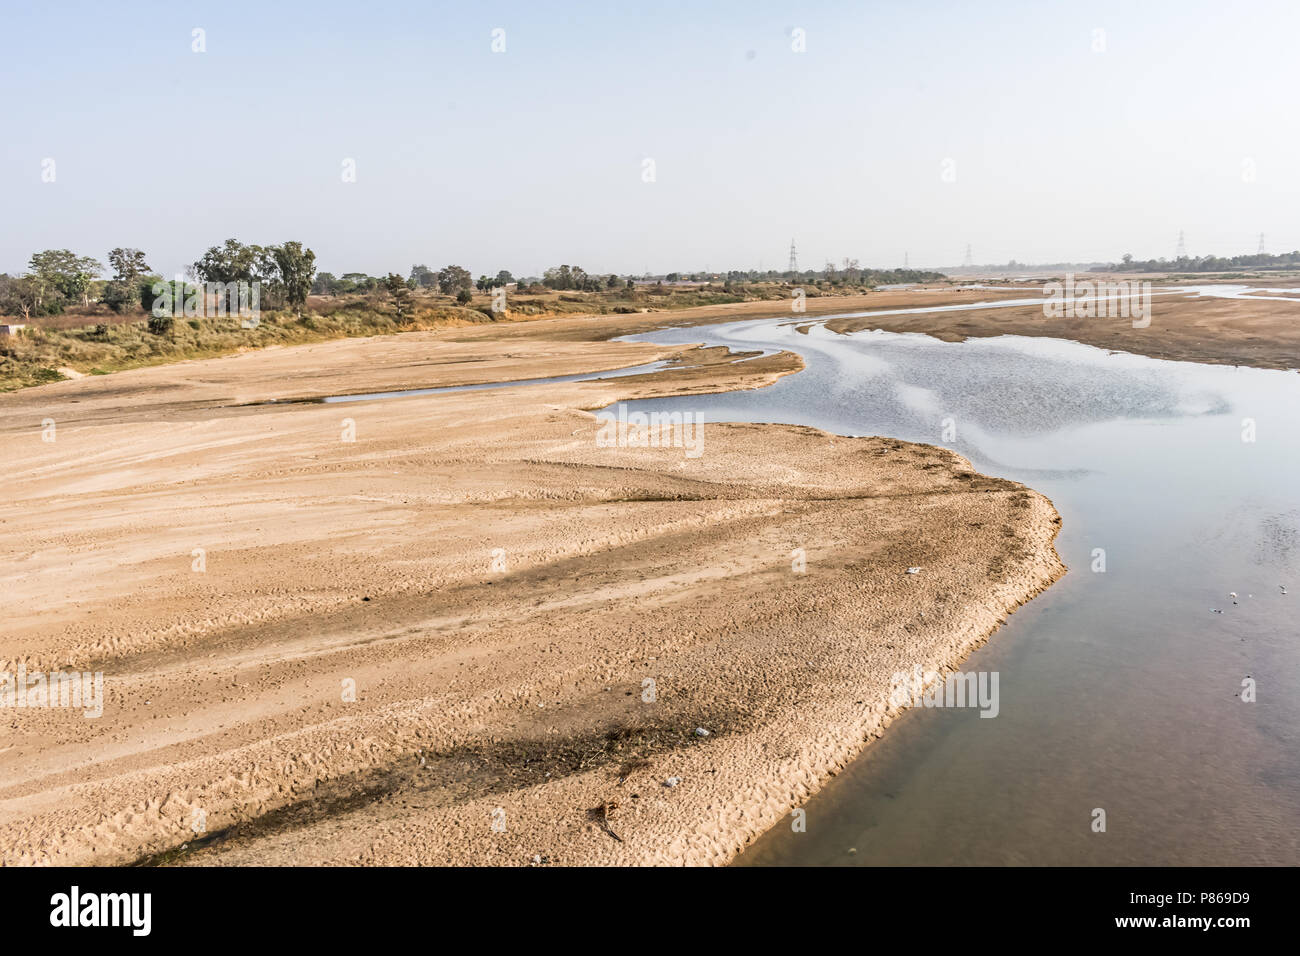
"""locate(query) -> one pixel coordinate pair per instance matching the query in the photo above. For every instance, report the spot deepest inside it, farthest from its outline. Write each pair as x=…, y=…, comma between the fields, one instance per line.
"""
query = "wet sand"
x=497, y=590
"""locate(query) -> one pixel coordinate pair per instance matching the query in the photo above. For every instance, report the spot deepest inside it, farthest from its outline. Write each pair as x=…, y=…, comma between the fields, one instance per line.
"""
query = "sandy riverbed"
x=497, y=588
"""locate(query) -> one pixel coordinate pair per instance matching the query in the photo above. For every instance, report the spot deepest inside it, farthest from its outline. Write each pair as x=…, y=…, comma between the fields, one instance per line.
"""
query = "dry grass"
x=93, y=340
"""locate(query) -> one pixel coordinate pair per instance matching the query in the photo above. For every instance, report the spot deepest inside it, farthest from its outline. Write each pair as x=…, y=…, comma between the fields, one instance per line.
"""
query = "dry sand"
x=510, y=694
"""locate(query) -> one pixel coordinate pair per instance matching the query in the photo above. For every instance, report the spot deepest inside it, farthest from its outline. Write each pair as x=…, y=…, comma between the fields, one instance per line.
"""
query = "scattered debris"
x=602, y=814
x=672, y=781
x=913, y=570
x=701, y=732
x=1216, y=610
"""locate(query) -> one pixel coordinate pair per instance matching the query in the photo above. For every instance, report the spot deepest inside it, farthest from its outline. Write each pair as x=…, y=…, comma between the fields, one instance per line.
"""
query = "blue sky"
x=534, y=156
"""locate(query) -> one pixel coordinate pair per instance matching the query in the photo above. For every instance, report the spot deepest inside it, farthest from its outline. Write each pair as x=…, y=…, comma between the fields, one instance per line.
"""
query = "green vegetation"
x=134, y=318
x=1188, y=264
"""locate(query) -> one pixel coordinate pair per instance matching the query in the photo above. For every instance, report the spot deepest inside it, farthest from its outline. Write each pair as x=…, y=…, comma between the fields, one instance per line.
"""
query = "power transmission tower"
x=794, y=259
x=1261, y=244
x=1182, y=246
x=905, y=265
x=968, y=261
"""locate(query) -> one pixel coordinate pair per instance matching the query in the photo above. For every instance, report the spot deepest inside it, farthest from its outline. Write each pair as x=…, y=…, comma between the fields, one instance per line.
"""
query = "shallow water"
x=1118, y=689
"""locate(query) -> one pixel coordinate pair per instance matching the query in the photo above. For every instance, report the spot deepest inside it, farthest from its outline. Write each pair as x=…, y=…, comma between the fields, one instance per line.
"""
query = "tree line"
x=1258, y=260
x=286, y=275
x=58, y=278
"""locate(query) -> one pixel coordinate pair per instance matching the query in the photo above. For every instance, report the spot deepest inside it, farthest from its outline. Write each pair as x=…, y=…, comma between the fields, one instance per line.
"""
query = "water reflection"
x=1119, y=688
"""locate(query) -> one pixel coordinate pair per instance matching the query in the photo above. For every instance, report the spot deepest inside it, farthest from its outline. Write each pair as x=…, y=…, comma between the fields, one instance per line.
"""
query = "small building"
x=11, y=329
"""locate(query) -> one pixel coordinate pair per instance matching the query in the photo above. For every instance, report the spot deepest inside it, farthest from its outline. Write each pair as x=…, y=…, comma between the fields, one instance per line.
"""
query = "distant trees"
x=284, y=272
x=287, y=276
x=296, y=265
x=563, y=278
x=500, y=280
x=451, y=279
x=359, y=282
x=128, y=265
x=558, y=277
x=1258, y=260
x=20, y=295
x=62, y=275
x=123, y=290
x=232, y=262
x=396, y=287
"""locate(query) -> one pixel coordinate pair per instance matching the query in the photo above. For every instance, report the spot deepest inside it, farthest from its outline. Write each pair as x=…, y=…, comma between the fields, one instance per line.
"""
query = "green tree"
x=65, y=273
x=296, y=267
x=464, y=296
x=118, y=295
x=396, y=287
x=359, y=282
x=232, y=262
x=453, y=278
x=122, y=291
x=424, y=277
x=21, y=295
x=236, y=262
x=128, y=265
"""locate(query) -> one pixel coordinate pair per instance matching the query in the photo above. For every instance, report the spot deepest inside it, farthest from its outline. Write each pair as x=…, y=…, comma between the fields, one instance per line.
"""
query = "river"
x=1122, y=685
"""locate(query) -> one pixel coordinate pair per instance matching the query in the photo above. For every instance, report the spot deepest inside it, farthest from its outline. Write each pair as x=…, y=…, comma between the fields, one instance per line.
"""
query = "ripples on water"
x=1119, y=688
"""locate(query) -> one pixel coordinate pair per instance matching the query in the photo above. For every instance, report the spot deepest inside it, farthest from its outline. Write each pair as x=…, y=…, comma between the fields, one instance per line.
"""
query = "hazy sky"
x=535, y=156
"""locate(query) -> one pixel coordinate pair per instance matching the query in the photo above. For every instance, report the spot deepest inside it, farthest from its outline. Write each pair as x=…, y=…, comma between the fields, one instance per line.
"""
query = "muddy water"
x=1120, y=689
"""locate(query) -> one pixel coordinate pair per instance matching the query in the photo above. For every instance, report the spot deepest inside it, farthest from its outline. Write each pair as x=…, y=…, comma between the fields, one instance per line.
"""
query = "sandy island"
x=497, y=589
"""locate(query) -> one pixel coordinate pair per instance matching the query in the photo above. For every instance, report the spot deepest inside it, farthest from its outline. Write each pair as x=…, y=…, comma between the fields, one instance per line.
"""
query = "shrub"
x=117, y=295
x=463, y=297
x=160, y=324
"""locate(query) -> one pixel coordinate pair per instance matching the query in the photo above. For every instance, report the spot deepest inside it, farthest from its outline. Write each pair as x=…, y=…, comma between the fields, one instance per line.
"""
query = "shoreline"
x=622, y=565
x=1239, y=331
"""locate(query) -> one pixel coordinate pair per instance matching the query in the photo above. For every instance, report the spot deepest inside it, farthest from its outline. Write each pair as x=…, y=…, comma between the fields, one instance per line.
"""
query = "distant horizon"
x=1011, y=266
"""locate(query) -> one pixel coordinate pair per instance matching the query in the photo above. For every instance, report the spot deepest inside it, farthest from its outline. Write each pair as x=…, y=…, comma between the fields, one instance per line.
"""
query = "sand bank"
x=453, y=629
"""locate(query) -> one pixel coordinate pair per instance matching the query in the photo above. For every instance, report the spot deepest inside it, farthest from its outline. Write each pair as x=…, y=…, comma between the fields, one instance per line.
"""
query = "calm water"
x=1118, y=689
